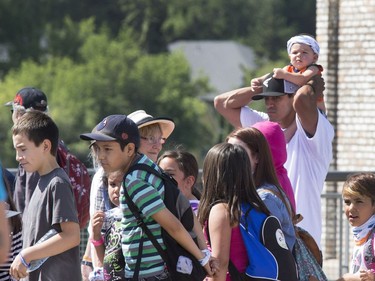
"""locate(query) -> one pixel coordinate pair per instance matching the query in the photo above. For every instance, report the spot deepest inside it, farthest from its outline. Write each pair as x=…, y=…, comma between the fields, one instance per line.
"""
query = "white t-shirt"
x=96, y=183
x=307, y=163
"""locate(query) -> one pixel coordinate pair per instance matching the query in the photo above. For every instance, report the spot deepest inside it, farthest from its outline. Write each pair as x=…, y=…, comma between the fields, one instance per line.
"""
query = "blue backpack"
x=267, y=251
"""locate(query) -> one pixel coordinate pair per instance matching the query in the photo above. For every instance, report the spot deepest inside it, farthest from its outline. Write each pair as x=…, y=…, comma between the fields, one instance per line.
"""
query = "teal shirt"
x=147, y=192
x=3, y=193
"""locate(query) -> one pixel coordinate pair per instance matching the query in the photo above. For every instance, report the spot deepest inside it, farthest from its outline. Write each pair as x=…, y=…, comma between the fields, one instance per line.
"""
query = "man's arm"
x=305, y=104
x=229, y=104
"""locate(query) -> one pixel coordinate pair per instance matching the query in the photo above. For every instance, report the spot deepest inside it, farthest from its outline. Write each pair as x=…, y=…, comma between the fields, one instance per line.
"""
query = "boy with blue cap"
x=116, y=141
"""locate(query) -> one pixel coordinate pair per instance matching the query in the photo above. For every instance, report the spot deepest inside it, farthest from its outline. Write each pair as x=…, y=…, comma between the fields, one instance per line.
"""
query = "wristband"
x=97, y=242
x=88, y=263
x=86, y=258
x=206, y=258
x=27, y=265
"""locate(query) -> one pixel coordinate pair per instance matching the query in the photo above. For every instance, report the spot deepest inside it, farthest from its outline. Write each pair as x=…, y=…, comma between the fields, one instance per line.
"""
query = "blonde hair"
x=150, y=130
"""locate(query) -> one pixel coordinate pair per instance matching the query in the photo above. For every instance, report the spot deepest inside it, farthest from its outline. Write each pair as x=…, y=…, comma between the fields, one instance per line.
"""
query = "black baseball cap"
x=30, y=97
x=273, y=87
x=118, y=128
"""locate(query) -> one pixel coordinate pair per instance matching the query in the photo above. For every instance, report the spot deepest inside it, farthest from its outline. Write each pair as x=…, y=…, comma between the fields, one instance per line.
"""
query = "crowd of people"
x=273, y=163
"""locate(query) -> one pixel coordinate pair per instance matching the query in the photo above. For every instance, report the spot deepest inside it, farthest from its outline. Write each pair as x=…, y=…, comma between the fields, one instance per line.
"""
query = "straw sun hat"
x=142, y=119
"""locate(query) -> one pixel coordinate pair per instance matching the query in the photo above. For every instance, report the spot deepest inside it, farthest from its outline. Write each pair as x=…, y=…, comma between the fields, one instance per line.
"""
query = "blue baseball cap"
x=118, y=128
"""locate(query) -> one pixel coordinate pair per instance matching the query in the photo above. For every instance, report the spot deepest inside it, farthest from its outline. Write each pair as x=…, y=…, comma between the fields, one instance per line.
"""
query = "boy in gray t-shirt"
x=52, y=206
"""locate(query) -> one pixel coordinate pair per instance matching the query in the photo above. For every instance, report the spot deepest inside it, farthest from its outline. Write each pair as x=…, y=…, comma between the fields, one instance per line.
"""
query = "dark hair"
x=254, y=139
x=360, y=184
x=265, y=171
x=105, y=180
x=37, y=127
x=187, y=163
x=226, y=178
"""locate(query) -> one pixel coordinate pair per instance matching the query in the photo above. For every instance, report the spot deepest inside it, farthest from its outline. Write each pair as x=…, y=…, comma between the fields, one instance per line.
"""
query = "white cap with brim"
x=273, y=87
x=142, y=119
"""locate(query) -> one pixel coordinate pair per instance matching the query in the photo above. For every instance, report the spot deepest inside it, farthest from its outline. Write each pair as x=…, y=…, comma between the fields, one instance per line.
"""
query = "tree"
x=263, y=25
x=28, y=28
x=113, y=76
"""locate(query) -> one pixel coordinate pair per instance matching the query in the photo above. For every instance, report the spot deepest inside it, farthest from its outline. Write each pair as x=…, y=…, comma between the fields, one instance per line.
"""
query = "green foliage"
x=146, y=18
x=67, y=39
x=94, y=58
x=112, y=76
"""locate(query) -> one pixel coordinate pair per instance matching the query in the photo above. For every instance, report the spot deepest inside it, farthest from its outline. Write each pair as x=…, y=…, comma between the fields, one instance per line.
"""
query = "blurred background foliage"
x=93, y=58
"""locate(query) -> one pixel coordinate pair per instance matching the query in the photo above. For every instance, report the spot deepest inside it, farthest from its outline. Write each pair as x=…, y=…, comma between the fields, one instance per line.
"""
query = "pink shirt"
x=237, y=253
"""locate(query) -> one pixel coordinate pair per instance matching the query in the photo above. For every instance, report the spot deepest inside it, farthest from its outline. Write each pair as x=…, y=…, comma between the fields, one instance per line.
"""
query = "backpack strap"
x=140, y=222
x=138, y=263
x=144, y=167
x=139, y=216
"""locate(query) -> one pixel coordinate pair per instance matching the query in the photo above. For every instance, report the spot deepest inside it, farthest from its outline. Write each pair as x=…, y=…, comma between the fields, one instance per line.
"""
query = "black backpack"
x=179, y=206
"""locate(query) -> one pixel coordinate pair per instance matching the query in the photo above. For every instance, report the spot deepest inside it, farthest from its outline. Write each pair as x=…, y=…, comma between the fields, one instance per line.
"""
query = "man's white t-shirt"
x=308, y=160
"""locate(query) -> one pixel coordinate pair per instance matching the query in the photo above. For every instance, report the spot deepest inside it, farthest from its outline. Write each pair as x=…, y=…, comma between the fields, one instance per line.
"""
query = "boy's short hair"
x=117, y=128
x=360, y=184
x=37, y=126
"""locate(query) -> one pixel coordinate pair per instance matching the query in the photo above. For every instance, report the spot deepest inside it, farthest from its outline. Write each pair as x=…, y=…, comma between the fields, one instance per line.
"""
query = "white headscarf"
x=303, y=39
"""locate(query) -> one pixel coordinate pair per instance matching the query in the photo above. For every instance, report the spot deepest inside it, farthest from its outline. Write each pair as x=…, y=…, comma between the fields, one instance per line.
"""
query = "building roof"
x=222, y=62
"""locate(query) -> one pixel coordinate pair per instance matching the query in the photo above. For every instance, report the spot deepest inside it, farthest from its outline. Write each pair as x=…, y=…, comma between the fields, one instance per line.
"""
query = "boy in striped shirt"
x=115, y=141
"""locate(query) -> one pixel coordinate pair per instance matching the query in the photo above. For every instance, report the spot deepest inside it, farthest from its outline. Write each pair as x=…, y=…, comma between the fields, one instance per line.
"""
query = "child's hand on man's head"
x=278, y=73
x=257, y=84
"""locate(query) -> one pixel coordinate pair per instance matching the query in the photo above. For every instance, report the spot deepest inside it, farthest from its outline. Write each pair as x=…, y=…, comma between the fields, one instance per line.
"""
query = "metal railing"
x=337, y=249
x=336, y=238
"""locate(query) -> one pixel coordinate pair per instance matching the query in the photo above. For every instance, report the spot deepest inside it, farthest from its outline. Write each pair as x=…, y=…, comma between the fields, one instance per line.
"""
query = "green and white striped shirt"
x=147, y=192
